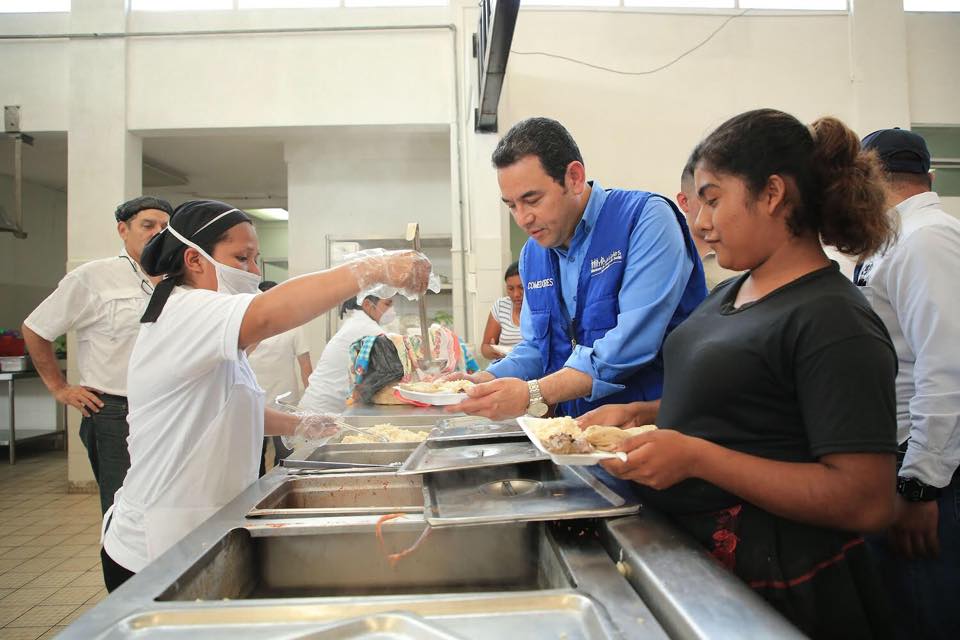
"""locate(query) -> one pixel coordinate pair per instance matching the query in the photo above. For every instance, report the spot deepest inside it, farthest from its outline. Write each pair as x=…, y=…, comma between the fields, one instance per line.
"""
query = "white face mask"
x=230, y=280
x=388, y=316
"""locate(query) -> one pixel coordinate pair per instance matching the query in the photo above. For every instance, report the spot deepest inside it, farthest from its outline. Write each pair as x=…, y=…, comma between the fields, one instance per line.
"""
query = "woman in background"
x=330, y=384
x=502, y=332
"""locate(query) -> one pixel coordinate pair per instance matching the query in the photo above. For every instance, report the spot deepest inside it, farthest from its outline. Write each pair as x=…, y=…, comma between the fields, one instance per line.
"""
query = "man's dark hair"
x=266, y=285
x=687, y=173
x=130, y=208
x=544, y=138
x=512, y=270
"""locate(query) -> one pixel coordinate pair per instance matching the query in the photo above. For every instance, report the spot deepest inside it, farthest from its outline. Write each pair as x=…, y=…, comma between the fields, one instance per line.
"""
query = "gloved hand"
x=385, y=273
x=314, y=429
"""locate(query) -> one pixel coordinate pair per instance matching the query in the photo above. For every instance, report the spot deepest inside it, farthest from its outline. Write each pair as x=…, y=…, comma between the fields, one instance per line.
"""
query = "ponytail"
x=852, y=203
x=839, y=193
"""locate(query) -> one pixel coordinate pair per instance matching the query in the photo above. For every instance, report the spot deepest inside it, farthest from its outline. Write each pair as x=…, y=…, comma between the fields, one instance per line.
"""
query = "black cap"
x=900, y=151
x=131, y=208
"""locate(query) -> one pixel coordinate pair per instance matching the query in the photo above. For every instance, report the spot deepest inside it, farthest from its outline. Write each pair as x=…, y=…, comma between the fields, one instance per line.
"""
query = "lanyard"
x=145, y=286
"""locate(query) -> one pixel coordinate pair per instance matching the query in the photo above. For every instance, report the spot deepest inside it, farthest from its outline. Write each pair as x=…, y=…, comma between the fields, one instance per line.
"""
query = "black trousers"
x=104, y=434
x=113, y=574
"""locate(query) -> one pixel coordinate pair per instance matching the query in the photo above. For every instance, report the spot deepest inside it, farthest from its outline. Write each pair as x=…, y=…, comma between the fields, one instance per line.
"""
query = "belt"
x=110, y=396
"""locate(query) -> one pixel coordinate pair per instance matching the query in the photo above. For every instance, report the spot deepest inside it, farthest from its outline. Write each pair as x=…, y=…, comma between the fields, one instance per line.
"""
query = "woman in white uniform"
x=197, y=415
x=330, y=381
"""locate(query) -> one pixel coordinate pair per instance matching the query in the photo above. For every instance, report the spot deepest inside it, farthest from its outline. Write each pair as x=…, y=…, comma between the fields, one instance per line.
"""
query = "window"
x=286, y=4
x=685, y=4
x=570, y=3
x=395, y=3
x=931, y=5
x=794, y=5
x=181, y=5
x=34, y=6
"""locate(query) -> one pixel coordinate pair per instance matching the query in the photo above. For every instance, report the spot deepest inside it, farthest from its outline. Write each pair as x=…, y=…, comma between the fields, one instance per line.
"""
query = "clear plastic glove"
x=314, y=429
x=385, y=273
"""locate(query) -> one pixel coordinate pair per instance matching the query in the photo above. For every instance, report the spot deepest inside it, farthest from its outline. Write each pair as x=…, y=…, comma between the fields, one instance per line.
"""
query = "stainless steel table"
x=10, y=436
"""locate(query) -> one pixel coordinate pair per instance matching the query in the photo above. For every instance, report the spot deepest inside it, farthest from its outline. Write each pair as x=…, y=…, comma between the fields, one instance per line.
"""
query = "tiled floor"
x=49, y=547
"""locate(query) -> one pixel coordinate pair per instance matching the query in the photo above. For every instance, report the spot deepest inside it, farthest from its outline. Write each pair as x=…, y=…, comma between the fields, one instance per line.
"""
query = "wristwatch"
x=537, y=407
x=913, y=490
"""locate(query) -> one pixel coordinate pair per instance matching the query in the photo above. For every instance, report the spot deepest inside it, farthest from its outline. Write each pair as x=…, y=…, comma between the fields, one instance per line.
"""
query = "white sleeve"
x=923, y=293
x=204, y=328
x=300, y=345
x=72, y=305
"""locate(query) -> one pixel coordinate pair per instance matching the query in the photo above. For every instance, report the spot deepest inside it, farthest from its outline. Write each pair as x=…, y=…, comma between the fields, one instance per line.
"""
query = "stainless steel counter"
x=279, y=577
x=396, y=414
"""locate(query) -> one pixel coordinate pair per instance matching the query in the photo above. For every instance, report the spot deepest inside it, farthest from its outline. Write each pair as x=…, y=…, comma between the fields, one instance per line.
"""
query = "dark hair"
x=839, y=192
x=350, y=304
x=687, y=173
x=202, y=222
x=542, y=137
x=512, y=270
x=131, y=208
x=266, y=285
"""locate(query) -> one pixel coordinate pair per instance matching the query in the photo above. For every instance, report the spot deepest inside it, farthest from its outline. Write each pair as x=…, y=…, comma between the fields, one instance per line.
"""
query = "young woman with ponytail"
x=777, y=439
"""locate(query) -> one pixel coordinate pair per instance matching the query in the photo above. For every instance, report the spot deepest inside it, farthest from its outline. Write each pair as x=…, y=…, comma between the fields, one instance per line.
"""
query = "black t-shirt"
x=805, y=371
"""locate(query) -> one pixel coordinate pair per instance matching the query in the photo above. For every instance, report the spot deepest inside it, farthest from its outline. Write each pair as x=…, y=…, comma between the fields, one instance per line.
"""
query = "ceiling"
x=231, y=165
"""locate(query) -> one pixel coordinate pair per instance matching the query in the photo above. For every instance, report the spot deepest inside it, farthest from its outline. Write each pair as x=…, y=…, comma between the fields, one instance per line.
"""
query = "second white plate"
x=573, y=459
x=435, y=399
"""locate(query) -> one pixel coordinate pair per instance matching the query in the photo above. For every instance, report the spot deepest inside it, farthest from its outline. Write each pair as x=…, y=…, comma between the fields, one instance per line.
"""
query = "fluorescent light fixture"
x=274, y=214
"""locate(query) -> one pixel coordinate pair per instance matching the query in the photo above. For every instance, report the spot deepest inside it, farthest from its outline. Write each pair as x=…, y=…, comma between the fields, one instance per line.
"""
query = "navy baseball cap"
x=900, y=151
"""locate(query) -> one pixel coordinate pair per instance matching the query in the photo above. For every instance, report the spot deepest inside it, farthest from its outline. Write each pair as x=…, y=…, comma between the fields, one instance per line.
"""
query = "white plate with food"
x=565, y=443
x=435, y=393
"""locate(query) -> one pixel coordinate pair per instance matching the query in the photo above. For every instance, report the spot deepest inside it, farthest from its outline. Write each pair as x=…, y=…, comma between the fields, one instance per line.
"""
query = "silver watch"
x=537, y=407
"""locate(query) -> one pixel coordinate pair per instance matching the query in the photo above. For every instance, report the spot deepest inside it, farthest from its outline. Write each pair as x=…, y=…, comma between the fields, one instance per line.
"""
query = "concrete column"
x=878, y=63
x=103, y=161
x=489, y=233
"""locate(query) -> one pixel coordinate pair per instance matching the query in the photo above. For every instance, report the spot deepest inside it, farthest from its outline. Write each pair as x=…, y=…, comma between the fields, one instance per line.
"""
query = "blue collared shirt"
x=654, y=279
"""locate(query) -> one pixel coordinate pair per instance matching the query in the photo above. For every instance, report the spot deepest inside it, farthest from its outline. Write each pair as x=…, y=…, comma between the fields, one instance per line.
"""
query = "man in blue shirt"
x=607, y=275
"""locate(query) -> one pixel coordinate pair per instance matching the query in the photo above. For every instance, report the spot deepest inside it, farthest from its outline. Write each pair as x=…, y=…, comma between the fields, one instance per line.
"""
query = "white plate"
x=435, y=399
x=501, y=349
x=573, y=459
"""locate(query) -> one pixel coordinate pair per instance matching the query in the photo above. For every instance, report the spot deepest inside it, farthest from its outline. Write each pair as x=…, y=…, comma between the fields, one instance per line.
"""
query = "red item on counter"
x=10, y=346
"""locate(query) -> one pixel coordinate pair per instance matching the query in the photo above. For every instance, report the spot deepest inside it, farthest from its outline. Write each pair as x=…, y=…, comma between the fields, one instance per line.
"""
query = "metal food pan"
x=318, y=460
x=433, y=456
x=342, y=495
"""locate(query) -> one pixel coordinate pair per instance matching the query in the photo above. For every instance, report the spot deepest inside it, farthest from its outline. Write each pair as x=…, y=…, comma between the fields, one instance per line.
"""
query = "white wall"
x=355, y=182
x=30, y=269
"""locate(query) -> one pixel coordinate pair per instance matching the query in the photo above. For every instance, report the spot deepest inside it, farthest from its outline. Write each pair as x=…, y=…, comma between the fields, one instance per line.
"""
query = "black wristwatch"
x=913, y=490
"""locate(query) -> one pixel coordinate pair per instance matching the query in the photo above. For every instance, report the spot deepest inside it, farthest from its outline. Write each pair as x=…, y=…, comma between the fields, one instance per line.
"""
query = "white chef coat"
x=185, y=373
x=913, y=288
x=274, y=362
x=330, y=381
x=103, y=301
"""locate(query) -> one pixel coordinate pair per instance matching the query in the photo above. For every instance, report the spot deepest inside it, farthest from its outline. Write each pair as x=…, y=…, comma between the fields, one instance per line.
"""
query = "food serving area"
x=472, y=533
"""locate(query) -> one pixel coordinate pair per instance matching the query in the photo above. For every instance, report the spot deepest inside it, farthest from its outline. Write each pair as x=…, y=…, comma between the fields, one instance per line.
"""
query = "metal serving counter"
x=261, y=568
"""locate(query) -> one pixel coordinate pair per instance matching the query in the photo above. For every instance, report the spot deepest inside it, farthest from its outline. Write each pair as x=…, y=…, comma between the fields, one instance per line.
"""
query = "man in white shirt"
x=912, y=285
x=272, y=362
x=689, y=203
x=102, y=301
